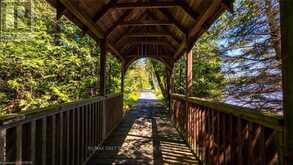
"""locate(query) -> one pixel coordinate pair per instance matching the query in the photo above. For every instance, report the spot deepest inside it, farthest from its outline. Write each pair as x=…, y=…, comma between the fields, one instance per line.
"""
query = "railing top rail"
x=267, y=119
x=13, y=119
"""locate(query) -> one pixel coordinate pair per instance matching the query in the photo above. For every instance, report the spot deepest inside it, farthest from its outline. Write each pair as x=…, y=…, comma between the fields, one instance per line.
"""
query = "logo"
x=16, y=20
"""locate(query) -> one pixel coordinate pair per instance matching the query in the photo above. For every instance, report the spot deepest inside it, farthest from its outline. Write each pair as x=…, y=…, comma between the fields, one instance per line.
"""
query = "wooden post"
x=188, y=73
x=102, y=67
x=169, y=91
x=286, y=8
x=122, y=77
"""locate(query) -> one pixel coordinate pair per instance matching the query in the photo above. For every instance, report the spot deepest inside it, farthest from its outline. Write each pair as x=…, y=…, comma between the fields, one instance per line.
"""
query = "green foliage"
x=38, y=72
x=208, y=80
x=136, y=79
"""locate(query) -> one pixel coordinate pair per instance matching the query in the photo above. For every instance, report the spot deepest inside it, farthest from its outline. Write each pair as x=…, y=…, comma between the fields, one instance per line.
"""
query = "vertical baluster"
x=231, y=140
x=90, y=125
x=67, y=137
x=223, y=137
x=239, y=131
x=95, y=124
x=33, y=142
x=19, y=144
x=73, y=136
x=44, y=140
x=82, y=122
x=262, y=146
x=249, y=146
x=78, y=148
x=53, y=139
x=2, y=144
x=86, y=132
x=104, y=118
x=204, y=127
x=209, y=136
x=61, y=138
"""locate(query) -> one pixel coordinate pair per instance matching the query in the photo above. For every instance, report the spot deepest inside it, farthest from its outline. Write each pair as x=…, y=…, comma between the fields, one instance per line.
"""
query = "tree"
x=249, y=43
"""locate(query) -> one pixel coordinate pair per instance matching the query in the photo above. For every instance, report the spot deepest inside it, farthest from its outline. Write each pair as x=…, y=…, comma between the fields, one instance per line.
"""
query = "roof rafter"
x=197, y=29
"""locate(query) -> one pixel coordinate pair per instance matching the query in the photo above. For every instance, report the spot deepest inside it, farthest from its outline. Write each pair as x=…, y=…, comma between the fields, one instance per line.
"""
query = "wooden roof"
x=161, y=29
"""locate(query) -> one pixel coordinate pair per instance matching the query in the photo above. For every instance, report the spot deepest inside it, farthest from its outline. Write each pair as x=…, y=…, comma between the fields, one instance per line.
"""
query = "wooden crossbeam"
x=147, y=23
x=158, y=5
x=145, y=5
x=147, y=35
x=147, y=43
x=166, y=29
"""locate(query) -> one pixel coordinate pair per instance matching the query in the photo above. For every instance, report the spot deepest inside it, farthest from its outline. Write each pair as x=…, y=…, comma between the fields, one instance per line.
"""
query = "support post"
x=102, y=67
x=122, y=77
x=286, y=9
x=169, y=91
x=188, y=73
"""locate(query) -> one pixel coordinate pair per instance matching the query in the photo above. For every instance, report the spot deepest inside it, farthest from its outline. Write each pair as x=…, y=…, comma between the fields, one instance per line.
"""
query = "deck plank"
x=145, y=136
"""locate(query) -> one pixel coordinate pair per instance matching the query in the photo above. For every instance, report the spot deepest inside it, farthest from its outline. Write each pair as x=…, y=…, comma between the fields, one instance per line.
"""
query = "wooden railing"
x=224, y=134
x=64, y=134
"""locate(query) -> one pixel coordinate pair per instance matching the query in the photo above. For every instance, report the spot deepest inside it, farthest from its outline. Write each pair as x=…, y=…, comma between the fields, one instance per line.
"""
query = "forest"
x=237, y=61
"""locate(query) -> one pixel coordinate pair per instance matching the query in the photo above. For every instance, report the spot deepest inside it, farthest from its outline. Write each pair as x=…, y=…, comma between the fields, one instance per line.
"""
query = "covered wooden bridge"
x=165, y=30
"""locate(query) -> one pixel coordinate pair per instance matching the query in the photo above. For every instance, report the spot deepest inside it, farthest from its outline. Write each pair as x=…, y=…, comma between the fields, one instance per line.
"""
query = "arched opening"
x=144, y=79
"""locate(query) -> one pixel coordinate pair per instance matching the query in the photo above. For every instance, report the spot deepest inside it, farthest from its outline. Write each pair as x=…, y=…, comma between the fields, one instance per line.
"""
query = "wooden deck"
x=145, y=136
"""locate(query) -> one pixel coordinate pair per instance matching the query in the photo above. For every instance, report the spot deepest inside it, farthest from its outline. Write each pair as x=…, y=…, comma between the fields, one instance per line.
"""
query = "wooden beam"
x=115, y=52
x=60, y=10
x=160, y=43
x=103, y=67
x=169, y=16
x=127, y=31
x=286, y=7
x=197, y=29
x=166, y=29
x=104, y=10
x=159, y=5
x=83, y=18
x=189, y=73
x=145, y=5
x=147, y=35
x=147, y=23
x=120, y=20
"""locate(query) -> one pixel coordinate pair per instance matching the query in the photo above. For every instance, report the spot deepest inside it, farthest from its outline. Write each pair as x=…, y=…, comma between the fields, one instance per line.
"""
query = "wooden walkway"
x=145, y=136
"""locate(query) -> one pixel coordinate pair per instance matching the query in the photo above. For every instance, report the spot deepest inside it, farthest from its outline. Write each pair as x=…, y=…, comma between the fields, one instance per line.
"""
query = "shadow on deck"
x=145, y=136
